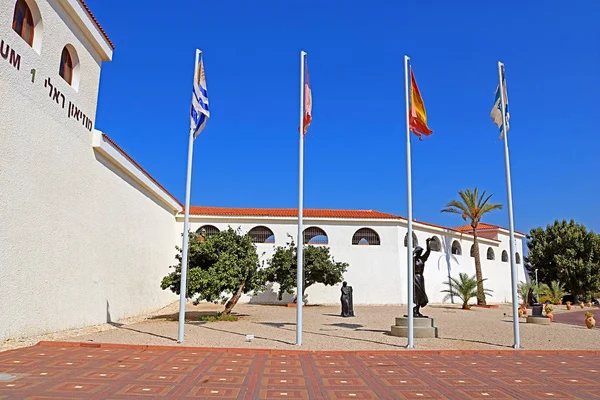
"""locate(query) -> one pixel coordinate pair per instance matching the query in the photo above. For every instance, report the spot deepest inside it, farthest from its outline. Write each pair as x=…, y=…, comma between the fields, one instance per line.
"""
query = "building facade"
x=87, y=234
x=374, y=245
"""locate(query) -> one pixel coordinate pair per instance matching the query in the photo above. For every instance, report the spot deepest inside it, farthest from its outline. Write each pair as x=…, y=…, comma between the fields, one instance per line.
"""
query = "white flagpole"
x=184, y=260
x=300, y=264
x=511, y=227
x=409, y=241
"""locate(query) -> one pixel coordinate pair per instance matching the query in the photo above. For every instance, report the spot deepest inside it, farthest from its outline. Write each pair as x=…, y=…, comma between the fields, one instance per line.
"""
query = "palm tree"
x=555, y=291
x=472, y=207
x=465, y=288
x=523, y=289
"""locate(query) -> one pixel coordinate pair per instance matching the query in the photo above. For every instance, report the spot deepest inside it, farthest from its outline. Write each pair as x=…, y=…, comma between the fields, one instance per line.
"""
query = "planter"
x=568, y=306
x=581, y=304
x=520, y=313
x=589, y=304
x=550, y=315
x=524, y=309
x=590, y=322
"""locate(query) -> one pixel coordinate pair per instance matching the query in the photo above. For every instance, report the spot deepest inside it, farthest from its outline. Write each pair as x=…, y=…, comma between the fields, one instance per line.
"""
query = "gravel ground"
x=274, y=327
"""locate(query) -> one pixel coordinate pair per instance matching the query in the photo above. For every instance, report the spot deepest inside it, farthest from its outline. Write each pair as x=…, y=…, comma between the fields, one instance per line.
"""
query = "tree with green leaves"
x=465, y=288
x=472, y=207
x=221, y=267
x=319, y=267
x=568, y=253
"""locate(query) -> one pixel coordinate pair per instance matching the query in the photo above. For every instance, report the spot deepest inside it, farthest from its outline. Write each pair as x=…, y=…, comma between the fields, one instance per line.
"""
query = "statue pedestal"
x=423, y=328
x=536, y=310
x=538, y=320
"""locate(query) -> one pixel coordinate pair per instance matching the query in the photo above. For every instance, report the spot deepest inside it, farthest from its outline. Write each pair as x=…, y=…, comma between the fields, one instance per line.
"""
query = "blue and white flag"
x=199, y=112
x=496, y=113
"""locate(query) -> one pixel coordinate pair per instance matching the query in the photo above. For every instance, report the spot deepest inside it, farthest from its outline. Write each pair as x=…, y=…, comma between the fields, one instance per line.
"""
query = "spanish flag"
x=417, y=114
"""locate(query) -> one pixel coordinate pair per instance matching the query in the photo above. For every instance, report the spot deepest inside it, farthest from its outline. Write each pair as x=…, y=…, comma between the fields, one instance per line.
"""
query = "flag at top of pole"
x=418, y=115
x=416, y=121
x=306, y=120
x=496, y=113
x=199, y=112
x=499, y=116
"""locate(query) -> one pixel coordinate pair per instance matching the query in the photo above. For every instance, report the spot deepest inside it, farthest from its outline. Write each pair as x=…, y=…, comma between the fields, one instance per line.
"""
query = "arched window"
x=456, y=249
x=518, y=258
x=435, y=244
x=261, y=234
x=472, y=250
x=207, y=231
x=415, y=241
x=315, y=235
x=504, y=256
x=23, y=22
x=366, y=236
x=66, y=66
x=490, y=254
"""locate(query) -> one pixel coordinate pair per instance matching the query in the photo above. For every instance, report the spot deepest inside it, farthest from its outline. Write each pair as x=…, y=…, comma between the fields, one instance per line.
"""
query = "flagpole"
x=300, y=244
x=511, y=228
x=184, y=259
x=409, y=241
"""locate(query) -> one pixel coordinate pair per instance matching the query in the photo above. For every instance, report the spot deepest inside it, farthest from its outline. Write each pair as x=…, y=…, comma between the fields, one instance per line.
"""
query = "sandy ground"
x=274, y=327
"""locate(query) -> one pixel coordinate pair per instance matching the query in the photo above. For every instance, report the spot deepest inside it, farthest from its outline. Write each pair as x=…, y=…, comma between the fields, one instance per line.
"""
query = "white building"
x=374, y=244
x=86, y=234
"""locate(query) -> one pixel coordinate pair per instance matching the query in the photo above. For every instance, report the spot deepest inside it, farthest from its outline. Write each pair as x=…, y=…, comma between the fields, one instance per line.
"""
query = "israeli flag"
x=496, y=113
x=199, y=112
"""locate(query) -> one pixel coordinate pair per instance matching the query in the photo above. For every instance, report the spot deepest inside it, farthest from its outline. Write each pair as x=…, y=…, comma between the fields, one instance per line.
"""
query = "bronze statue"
x=531, y=299
x=346, y=299
x=420, y=297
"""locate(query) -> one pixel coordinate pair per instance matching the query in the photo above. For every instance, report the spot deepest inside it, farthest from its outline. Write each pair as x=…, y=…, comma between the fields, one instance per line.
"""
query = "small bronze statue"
x=531, y=298
x=420, y=297
x=532, y=301
x=346, y=299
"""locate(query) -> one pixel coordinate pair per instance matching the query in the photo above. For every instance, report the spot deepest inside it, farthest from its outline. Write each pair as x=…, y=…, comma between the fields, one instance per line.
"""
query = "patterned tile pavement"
x=55, y=370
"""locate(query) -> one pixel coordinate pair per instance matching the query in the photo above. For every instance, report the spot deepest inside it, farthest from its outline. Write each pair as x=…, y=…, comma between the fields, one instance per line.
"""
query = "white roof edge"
x=117, y=158
x=89, y=28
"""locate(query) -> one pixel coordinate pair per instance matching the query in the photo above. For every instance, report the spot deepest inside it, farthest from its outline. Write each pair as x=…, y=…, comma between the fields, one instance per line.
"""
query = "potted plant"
x=590, y=322
x=549, y=310
x=524, y=308
x=581, y=304
x=568, y=305
x=589, y=303
x=520, y=312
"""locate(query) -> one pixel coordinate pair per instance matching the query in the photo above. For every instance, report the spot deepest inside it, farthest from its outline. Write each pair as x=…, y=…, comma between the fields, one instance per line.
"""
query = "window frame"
x=27, y=23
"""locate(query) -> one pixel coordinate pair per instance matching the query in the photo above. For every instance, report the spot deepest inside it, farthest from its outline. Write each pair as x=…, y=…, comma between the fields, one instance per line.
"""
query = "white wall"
x=378, y=273
x=371, y=268
x=81, y=242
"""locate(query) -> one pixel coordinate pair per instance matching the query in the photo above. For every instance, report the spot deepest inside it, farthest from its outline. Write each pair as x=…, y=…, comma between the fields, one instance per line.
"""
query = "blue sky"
x=355, y=149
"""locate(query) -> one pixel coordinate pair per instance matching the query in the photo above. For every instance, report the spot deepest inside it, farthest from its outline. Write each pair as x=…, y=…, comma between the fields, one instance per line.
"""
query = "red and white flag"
x=307, y=101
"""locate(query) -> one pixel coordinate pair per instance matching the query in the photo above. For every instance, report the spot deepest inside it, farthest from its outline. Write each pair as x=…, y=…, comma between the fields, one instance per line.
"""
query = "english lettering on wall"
x=10, y=55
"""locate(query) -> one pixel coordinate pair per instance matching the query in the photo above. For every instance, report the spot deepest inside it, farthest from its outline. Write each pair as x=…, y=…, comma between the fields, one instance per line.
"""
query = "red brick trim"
x=87, y=9
x=285, y=351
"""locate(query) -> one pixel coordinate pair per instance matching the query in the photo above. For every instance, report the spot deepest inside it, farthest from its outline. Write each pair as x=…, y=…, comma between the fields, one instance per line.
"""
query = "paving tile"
x=50, y=371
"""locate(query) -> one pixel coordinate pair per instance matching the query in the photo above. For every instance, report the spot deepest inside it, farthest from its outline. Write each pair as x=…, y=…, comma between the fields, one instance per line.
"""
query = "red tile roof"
x=290, y=212
x=87, y=9
x=308, y=212
x=481, y=226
